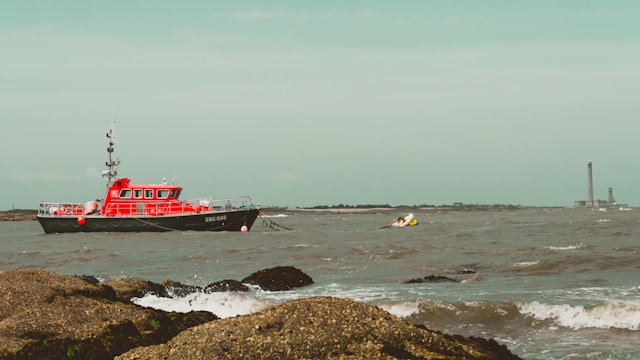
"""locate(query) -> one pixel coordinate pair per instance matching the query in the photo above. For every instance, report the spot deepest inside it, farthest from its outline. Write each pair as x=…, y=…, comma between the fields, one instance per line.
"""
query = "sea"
x=549, y=283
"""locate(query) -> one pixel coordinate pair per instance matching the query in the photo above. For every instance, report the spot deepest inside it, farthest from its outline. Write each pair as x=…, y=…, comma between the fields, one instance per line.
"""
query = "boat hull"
x=209, y=221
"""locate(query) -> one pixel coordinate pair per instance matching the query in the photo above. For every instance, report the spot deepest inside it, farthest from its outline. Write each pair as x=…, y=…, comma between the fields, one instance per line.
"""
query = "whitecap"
x=402, y=310
x=612, y=314
x=569, y=247
x=526, y=263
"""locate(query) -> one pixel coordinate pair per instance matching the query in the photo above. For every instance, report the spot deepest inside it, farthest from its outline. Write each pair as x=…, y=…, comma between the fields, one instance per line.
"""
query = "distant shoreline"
x=395, y=209
x=18, y=215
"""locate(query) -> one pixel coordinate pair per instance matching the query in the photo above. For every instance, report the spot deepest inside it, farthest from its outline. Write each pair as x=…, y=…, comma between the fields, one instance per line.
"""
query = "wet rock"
x=128, y=288
x=177, y=289
x=431, y=279
x=318, y=328
x=226, y=286
x=44, y=315
x=278, y=278
x=88, y=278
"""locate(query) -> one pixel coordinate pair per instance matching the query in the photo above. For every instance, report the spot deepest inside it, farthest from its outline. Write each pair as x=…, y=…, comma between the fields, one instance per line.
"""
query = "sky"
x=300, y=103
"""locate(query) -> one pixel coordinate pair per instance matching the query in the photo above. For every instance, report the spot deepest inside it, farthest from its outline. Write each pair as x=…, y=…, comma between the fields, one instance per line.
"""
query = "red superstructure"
x=124, y=198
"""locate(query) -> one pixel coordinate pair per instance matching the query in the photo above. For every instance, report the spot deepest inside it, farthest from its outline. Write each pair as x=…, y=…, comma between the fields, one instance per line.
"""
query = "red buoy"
x=244, y=228
x=81, y=220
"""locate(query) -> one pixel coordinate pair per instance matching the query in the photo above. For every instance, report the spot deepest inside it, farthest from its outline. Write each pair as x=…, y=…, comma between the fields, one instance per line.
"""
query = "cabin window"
x=137, y=193
x=163, y=193
x=148, y=193
x=125, y=193
x=173, y=194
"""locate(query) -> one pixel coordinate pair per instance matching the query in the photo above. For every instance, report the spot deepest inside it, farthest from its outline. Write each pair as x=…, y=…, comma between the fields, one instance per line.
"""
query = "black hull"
x=212, y=221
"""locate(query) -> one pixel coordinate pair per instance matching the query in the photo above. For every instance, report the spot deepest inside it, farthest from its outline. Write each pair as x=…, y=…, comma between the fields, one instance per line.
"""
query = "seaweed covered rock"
x=318, y=328
x=278, y=278
x=44, y=315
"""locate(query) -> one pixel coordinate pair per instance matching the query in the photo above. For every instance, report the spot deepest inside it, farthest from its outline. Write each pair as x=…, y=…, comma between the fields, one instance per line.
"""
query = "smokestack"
x=590, y=185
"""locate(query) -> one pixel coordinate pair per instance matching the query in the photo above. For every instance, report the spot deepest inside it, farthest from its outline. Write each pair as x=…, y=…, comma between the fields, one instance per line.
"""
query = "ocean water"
x=549, y=283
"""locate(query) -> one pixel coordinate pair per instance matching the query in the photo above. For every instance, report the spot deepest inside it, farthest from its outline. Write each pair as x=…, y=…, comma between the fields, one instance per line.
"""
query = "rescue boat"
x=131, y=207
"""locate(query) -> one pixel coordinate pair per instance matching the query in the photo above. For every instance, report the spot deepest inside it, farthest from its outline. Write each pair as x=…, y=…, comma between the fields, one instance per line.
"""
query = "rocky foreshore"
x=45, y=315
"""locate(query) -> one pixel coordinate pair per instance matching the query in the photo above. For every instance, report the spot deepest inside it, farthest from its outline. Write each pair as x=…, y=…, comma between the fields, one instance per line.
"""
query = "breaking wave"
x=485, y=314
x=438, y=314
x=222, y=304
x=609, y=315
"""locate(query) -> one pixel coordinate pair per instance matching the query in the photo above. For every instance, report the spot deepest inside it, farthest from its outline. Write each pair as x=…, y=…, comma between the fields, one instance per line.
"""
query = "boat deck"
x=147, y=208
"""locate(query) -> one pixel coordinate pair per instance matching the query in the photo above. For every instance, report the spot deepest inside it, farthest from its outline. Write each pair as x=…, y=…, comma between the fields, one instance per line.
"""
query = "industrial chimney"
x=590, y=185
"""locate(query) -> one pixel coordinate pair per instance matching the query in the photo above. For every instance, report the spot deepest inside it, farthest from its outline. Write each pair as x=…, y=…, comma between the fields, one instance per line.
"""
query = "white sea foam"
x=229, y=304
x=615, y=314
x=403, y=309
x=569, y=247
x=526, y=263
x=222, y=304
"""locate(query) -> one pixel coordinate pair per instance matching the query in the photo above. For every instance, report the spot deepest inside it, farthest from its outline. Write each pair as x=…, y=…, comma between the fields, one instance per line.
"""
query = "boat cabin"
x=124, y=198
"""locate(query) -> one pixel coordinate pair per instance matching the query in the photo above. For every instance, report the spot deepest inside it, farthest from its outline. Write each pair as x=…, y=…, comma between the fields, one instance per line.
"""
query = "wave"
x=481, y=315
x=525, y=264
x=519, y=315
x=608, y=315
x=569, y=247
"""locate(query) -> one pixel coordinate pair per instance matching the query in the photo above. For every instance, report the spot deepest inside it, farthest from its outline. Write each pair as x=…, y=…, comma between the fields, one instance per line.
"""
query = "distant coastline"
x=387, y=209
x=18, y=215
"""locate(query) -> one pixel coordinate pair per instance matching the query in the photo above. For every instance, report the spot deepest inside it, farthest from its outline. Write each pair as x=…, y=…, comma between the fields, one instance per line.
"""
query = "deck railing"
x=149, y=208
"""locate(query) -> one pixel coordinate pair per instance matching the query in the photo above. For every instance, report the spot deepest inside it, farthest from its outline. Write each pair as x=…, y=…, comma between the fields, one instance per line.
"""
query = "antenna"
x=112, y=173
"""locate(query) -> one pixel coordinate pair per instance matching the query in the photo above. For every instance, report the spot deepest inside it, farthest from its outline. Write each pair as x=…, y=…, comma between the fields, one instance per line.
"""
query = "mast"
x=112, y=173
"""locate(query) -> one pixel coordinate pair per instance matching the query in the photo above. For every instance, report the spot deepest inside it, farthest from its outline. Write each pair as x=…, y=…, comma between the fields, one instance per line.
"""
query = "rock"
x=178, y=289
x=430, y=278
x=278, y=278
x=88, y=278
x=127, y=288
x=226, y=285
x=44, y=315
x=318, y=328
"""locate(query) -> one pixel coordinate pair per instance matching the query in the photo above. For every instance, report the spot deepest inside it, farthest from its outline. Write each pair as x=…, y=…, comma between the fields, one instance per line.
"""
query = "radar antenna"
x=112, y=173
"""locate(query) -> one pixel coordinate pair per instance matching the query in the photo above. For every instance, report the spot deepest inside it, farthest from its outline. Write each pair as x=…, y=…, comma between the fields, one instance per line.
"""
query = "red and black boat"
x=129, y=207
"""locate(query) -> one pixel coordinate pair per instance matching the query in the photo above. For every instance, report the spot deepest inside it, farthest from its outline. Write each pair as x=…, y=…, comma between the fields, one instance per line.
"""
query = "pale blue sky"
x=321, y=103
